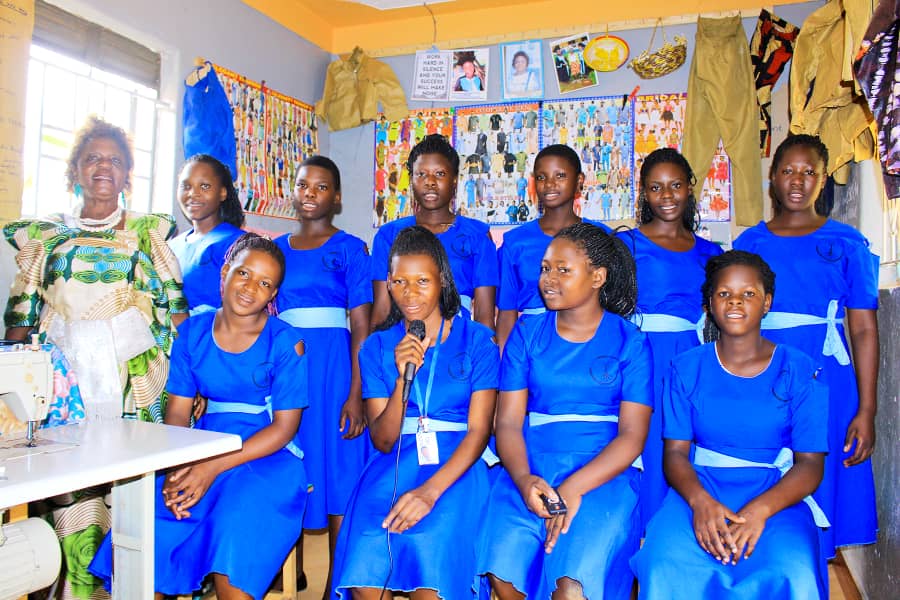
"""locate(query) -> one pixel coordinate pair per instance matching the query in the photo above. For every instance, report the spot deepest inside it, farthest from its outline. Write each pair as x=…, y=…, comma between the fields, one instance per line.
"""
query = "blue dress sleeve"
x=486, y=267
x=359, y=280
x=809, y=410
x=862, y=276
x=507, y=295
x=485, y=362
x=678, y=410
x=381, y=249
x=375, y=382
x=514, y=365
x=290, y=377
x=637, y=370
x=181, y=380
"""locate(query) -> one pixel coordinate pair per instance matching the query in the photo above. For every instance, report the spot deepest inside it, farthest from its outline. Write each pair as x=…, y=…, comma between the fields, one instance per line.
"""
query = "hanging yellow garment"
x=834, y=110
x=353, y=88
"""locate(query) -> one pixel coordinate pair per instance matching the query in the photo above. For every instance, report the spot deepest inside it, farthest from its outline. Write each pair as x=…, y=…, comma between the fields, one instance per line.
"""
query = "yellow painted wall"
x=339, y=26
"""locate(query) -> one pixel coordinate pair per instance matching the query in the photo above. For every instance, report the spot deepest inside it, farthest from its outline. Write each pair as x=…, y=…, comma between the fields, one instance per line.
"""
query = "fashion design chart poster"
x=393, y=141
x=497, y=145
x=572, y=72
x=523, y=70
x=659, y=123
x=469, y=74
x=273, y=133
x=600, y=130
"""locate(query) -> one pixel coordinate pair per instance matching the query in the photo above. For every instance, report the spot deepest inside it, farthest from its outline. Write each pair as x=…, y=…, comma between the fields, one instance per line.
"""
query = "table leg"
x=132, y=538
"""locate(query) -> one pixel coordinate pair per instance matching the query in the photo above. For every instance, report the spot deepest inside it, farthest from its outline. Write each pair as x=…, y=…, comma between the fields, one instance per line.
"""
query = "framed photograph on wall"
x=469, y=74
x=522, y=70
x=572, y=72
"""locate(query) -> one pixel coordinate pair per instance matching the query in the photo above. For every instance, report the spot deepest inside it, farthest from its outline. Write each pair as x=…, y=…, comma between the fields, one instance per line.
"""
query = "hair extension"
x=96, y=128
x=812, y=142
x=418, y=240
x=562, y=151
x=254, y=241
x=230, y=210
x=323, y=162
x=619, y=293
x=715, y=265
x=691, y=216
x=434, y=143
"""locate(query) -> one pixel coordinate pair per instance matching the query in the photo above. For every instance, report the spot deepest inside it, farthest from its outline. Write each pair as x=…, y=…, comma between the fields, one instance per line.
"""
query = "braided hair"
x=619, y=293
x=253, y=241
x=714, y=266
x=690, y=218
x=230, y=210
x=811, y=142
x=418, y=240
x=434, y=143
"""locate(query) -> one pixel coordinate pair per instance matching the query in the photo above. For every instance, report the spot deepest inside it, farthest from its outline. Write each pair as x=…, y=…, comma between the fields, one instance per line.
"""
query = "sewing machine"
x=26, y=383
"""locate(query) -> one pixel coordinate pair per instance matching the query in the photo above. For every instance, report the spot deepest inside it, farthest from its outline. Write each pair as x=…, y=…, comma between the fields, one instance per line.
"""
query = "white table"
x=127, y=453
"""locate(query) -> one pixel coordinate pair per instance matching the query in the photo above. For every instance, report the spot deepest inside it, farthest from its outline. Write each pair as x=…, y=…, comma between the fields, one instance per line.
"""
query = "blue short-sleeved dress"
x=566, y=378
x=439, y=551
x=249, y=519
x=821, y=274
x=201, y=263
x=333, y=277
x=520, y=266
x=470, y=249
x=668, y=286
x=750, y=418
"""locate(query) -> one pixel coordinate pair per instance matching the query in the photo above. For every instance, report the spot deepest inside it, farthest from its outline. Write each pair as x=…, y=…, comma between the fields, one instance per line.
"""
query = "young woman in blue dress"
x=252, y=369
x=208, y=199
x=433, y=167
x=573, y=415
x=412, y=520
x=327, y=296
x=557, y=180
x=670, y=259
x=745, y=426
x=827, y=275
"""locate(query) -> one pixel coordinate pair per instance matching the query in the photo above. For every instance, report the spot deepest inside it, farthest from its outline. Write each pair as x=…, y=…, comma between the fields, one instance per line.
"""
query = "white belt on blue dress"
x=833, y=345
x=662, y=323
x=217, y=407
x=533, y=311
x=316, y=317
x=537, y=419
x=411, y=426
x=703, y=457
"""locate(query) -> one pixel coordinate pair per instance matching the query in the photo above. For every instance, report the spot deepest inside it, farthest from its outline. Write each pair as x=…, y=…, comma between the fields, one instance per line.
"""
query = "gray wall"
x=353, y=149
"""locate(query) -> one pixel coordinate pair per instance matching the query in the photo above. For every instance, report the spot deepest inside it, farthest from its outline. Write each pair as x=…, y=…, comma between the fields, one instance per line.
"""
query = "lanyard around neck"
x=423, y=403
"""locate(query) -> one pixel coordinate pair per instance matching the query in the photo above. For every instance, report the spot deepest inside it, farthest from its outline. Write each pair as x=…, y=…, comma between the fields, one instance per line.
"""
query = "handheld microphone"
x=417, y=328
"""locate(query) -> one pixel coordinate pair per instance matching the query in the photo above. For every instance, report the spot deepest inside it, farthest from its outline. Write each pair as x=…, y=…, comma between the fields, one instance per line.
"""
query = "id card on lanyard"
x=426, y=440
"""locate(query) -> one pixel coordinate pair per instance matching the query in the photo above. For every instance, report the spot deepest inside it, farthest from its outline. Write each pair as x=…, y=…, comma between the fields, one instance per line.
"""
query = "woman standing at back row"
x=434, y=167
x=826, y=273
x=670, y=258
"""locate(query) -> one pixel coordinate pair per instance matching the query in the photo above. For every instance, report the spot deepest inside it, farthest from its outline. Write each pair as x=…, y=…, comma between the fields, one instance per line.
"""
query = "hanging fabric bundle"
x=650, y=65
x=208, y=121
x=353, y=88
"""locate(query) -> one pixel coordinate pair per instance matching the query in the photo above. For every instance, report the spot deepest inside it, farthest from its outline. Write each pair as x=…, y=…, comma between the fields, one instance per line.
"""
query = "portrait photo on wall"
x=599, y=129
x=497, y=145
x=659, y=123
x=522, y=70
x=572, y=72
x=468, y=79
x=392, y=197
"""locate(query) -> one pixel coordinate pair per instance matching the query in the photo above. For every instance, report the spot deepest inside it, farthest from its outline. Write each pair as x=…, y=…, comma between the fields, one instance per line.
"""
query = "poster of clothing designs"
x=659, y=123
x=273, y=133
x=497, y=145
x=393, y=140
x=600, y=130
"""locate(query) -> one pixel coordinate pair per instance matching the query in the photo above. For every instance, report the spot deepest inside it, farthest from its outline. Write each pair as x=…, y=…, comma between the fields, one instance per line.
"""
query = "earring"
x=122, y=198
x=76, y=189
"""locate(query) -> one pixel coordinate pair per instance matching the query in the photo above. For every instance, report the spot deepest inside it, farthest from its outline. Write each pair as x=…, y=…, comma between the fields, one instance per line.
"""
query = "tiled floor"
x=316, y=557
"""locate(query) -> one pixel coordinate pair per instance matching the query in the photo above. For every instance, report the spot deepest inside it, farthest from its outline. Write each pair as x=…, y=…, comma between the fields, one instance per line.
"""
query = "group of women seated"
x=475, y=422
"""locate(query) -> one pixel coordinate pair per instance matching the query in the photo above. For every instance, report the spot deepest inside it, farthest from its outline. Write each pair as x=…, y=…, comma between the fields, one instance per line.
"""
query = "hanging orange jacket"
x=353, y=88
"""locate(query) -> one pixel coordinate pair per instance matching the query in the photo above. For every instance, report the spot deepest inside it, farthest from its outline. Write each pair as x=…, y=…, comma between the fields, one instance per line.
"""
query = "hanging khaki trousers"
x=721, y=103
